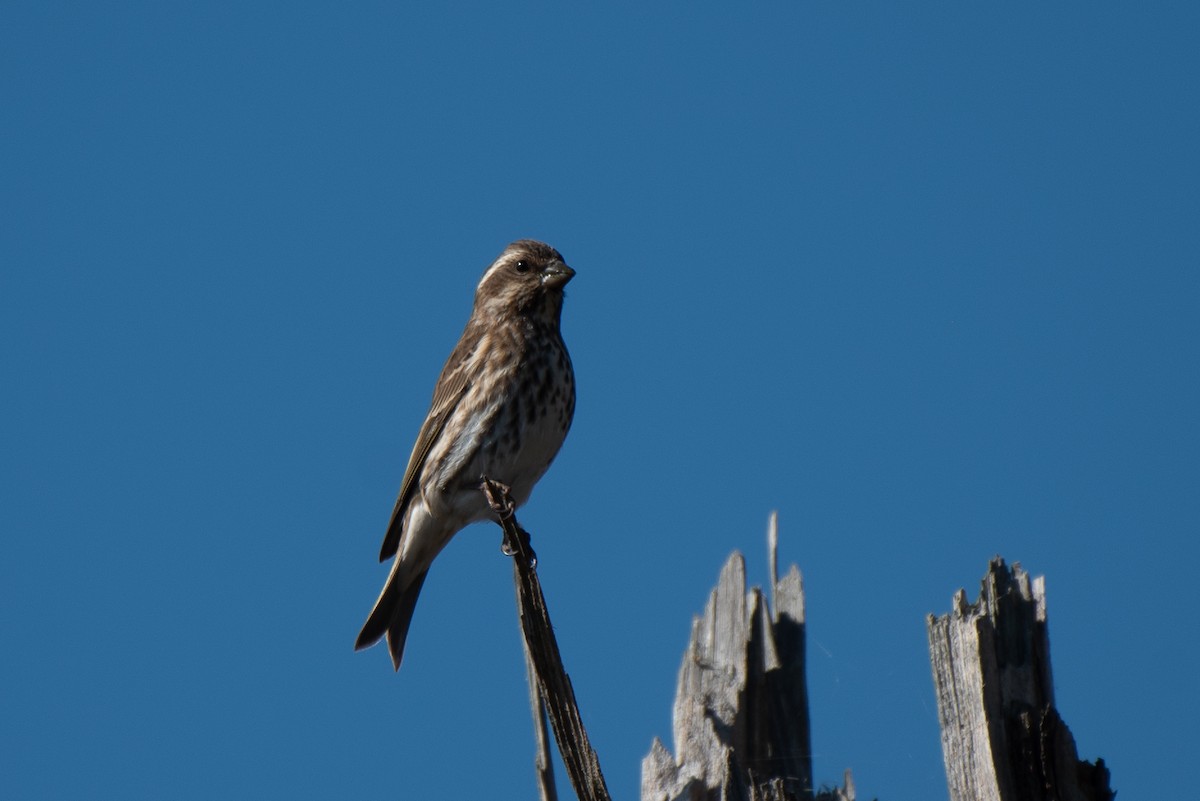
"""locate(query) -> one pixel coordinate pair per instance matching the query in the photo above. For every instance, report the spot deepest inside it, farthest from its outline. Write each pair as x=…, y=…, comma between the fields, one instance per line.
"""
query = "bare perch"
x=544, y=768
x=583, y=767
x=1002, y=738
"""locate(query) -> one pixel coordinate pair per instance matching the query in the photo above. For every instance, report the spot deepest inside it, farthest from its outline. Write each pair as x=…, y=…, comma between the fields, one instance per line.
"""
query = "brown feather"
x=452, y=384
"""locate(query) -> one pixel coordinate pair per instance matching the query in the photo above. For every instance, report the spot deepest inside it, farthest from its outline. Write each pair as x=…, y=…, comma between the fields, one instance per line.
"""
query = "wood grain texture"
x=542, y=654
x=1002, y=738
x=740, y=721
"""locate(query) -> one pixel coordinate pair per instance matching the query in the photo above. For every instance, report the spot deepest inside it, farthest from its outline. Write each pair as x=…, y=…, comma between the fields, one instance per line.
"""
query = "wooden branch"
x=1002, y=738
x=541, y=761
x=583, y=767
x=741, y=707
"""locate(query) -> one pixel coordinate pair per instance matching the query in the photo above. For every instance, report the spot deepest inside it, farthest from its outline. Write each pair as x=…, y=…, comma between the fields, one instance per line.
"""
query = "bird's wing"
x=451, y=386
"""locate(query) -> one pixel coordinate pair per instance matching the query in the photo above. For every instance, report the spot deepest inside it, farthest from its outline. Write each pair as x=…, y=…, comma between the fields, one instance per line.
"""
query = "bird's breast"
x=533, y=422
x=509, y=425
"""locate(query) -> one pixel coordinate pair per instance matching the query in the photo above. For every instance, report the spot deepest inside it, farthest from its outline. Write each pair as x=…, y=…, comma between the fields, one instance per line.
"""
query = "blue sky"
x=922, y=279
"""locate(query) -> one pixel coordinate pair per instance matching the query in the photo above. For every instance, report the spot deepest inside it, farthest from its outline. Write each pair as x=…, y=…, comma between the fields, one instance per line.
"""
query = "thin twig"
x=541, y=735
x=583, y=767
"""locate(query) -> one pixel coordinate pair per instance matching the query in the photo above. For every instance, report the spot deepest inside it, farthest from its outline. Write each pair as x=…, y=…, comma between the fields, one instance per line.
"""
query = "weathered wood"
x=740, y=722
x=1002, y=738
x=583, y=767
x=542, y=766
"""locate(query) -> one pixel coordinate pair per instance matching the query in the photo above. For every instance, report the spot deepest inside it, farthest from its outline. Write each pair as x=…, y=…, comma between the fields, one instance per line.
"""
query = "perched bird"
x=501, y=408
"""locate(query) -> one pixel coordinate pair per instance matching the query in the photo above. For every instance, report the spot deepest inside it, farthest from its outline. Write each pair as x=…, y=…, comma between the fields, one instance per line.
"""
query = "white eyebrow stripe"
x=498, y=264
x=503, y=260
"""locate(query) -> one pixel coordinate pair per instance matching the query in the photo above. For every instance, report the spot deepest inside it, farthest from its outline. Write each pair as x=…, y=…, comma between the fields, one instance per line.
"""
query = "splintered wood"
x=741, y=707
x=1002, y=738
x=741, y=723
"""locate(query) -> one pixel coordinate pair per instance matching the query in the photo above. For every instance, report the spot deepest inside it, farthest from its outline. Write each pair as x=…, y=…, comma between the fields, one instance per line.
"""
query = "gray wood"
x=1002, y=738
x=740, y=721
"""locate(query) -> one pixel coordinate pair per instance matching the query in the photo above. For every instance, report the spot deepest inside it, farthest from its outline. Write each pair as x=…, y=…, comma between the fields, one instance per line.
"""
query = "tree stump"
x=1002, y=738
x=740, y=723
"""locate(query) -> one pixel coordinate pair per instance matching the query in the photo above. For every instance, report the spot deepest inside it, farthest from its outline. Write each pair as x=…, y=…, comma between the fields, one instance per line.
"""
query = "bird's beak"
x=556, y=274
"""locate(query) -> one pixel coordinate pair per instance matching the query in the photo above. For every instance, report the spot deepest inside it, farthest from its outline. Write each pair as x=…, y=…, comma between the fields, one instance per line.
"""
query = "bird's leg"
x=498, y=498
x=516, y=539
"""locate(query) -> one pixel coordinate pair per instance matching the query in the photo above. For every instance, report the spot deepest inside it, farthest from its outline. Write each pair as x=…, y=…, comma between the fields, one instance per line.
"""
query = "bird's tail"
x=393, y=612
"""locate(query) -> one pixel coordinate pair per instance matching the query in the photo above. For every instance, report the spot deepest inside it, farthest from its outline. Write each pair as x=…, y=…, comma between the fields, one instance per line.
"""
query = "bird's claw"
x=498, y=498
x=502, y=504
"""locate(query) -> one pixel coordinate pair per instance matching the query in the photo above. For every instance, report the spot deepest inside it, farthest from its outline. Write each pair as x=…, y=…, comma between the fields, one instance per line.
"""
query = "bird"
x=502, y=407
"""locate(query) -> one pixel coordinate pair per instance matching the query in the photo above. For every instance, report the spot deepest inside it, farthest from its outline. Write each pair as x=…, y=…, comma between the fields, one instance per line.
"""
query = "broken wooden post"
x=741, y=705
x=1002, y=738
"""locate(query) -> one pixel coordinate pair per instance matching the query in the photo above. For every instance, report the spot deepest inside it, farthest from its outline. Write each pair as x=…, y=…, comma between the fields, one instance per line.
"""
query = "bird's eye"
x=522, y=266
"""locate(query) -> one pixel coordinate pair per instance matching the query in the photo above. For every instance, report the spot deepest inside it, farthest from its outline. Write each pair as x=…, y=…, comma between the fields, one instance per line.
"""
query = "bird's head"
x=527, y=279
